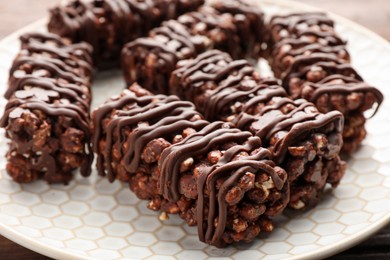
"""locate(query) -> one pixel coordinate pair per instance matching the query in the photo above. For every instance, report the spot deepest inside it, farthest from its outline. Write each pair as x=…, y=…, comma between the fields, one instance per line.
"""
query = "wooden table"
x=374, y=14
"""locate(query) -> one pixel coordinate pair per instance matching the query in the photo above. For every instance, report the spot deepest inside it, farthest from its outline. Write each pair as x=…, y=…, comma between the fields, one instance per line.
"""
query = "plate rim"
x=322, y=252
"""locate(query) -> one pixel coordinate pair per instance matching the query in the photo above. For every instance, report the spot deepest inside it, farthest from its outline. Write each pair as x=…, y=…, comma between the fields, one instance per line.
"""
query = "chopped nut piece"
x=298, y=205
x=214, y=156
x=164, y=216
x=186, y=165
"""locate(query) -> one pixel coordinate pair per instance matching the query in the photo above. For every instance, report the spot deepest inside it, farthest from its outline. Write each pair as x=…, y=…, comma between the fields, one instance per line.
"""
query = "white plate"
x=91, y=218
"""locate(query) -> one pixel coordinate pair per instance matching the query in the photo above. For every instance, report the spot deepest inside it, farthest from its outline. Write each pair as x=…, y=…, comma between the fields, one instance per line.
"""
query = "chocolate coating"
x=315, y=27
x=206, y=173
x=160, y=56
x=198, y=144
x=130, y=110
x=108, y=25
x=231, y=90
x=313, y=63
x=47, y=114
x=229, y=27
x=48, y=56
x=343, y=85
x=230, y=80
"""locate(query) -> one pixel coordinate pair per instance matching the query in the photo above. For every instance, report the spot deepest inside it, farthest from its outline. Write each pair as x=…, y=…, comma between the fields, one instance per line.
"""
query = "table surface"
x=375, y=15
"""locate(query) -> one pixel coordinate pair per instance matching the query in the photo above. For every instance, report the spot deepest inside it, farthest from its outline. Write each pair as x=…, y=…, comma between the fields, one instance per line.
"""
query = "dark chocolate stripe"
x=215, y=134
x=281, y=59
x=66, y=110
x=298, y=123
x=72, y=92
x=346, y=88
x=53, y=44
x=328, y=62
x=304, y=41
x=291, y=21
x=64, y=93
x=216, y=68
x=108, y=24
x=169, y=114
x=55, y=67
x=228, y=77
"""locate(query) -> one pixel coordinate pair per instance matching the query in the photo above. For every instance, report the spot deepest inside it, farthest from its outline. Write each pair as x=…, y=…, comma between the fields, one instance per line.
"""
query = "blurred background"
x=374, y=14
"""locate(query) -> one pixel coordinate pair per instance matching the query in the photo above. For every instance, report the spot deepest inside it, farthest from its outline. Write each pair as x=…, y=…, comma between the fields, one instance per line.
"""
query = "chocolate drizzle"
x=231, y=170
x=73, y=93
x=72, y=111
x=251, y=38
x=234, y=80
x=47, y=56
x=168, y=114
x=298, y=123
x=53, y=68
x=125, y=126
x=107, y=25
x=287, y=50
x=340, y=84
x=299, y=25
x=171, y=30
x=178, y=34
x=312, y=60
x=150, y=61
x=179, y=46
x=74, y=55
x=229, y=80
x=329, y=63
x=49, y=92
x=233, y=91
